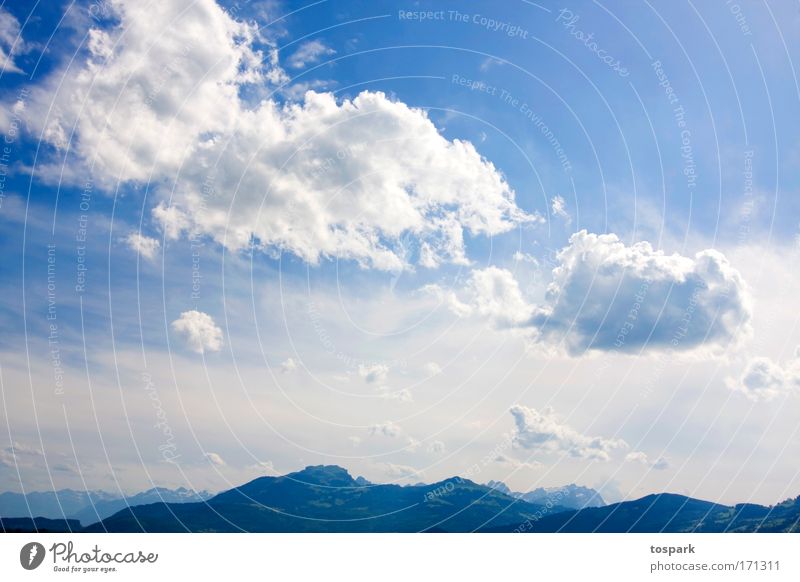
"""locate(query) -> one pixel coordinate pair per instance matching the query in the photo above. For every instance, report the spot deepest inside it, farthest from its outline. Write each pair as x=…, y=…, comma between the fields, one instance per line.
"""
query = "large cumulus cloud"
x=609, y=295
x=177, y=95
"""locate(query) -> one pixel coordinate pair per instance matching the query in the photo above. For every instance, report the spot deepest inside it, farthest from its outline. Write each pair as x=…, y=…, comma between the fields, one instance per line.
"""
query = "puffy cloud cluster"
x=387, y=429
x=491, y=293
x=146, y=246
x=764, y=379
x=606, y=295
x=166, y=97
x=373, y=372
x=199, y=331
x=544, y=431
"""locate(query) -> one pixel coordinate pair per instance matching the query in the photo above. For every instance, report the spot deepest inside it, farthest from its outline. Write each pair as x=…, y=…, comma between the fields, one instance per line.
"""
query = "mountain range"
x=328, y=499
x=570, y=496
x=87, y=506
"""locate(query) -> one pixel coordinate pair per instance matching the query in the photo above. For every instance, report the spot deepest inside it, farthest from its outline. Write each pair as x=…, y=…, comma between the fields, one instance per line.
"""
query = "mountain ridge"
x=326, y=498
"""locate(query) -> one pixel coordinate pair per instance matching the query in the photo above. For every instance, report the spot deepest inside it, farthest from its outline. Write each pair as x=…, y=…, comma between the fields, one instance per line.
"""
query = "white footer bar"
x=389, y=557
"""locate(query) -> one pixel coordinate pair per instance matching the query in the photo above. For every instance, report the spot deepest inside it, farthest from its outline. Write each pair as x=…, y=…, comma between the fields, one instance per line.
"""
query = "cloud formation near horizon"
x=544, y=431
x=765, y=380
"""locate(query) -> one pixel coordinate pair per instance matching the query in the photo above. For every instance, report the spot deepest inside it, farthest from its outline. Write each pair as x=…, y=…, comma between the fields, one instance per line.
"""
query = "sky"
x=541, y=243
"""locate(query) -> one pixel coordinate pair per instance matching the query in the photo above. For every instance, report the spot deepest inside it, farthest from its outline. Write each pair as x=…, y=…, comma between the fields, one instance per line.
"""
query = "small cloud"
x=516, y=463
x=143, y=245
x=288, y=365
x=19, y=449
x=260, y=466
x=373, y=373
x=521, y=257
x=765, y=380
x=490, y=62
x=354, y=441
x=432, y=369
x=387, y=429
x=172, y=220
x=558, y=207
x=399, y=471
x=436, y=447
x=637, y=457
x=215, y=459
x=403, y=395
x=310, y=52
x=199, y=331
x=298, y=89
x=659, y=464
x=492, y=293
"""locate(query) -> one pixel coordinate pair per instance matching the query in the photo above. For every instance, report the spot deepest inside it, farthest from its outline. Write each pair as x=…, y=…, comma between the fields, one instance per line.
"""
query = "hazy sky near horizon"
x=541, y=243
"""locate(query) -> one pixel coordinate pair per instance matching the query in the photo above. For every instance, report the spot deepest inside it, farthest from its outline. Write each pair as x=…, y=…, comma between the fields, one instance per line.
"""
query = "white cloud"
x=11, y=42
x=525, y=258
x=199, y=330
x=516, y=463
x=144, y=245
x=18, y=448
x=492, y=293
x=387, y=429
x=546, y=432
x=262, y=467
x=608, y=295
x=373, y=372
x=288, y=365
x=659, y=464
x=402, y=395
x=764, y=379
x=432, y=369
x=19, y=455
x=215, y=459
x=308, y=53
x=436, y=447
x=490, y=62
x=159, y=100
x=558, y=207
x=398, y=471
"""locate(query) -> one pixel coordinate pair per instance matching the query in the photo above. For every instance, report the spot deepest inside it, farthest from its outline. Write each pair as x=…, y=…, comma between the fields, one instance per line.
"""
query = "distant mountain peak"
x=500, y=486
x=571, y=496
x=326, y=475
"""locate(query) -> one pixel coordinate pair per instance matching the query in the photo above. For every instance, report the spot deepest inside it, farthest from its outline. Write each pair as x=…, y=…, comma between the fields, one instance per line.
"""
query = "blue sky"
x=550, y=241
